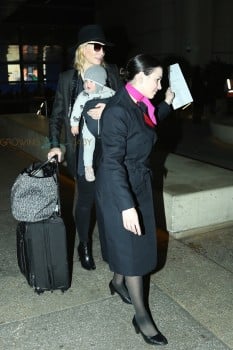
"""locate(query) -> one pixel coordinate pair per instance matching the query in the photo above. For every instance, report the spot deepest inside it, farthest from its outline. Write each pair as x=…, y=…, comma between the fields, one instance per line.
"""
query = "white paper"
x=179, y=86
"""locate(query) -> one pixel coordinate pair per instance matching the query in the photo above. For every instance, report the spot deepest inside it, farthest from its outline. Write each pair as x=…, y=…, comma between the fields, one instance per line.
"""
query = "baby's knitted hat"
x=97, y=74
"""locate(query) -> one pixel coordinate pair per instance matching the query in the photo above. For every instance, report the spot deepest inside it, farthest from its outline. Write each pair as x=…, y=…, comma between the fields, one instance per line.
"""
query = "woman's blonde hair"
x=79, y=59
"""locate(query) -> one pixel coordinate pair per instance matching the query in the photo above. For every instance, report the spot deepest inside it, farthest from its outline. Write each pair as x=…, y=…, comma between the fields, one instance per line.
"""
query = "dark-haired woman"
x=123, y=187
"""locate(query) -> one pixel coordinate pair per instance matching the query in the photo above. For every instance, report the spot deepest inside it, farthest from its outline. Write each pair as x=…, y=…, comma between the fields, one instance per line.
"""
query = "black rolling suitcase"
x=41, y=245
x=42, y=254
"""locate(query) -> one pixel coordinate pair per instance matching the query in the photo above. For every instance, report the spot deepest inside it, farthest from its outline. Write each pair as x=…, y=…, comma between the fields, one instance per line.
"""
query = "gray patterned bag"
x=34, y=194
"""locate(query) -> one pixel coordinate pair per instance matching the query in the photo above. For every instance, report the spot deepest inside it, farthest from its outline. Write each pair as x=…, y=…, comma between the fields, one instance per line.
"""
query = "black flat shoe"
x=85, y=256
x=157, y=339
x=113, y=290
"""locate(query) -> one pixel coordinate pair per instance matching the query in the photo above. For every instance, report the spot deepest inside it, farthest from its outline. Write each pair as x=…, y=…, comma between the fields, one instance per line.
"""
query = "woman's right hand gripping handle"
x=55, y=151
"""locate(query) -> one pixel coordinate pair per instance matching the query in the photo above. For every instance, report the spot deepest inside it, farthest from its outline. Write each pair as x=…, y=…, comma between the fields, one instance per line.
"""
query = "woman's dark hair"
x=141, y=63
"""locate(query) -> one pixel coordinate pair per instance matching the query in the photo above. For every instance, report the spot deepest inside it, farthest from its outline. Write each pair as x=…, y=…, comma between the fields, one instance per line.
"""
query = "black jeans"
x=84, y=209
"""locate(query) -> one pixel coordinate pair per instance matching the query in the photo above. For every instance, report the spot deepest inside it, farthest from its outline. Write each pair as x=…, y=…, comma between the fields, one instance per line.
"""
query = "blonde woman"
x=90, y=50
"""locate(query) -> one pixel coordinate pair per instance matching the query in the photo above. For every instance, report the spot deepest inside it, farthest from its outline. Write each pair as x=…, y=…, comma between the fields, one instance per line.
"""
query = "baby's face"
x=89, y=86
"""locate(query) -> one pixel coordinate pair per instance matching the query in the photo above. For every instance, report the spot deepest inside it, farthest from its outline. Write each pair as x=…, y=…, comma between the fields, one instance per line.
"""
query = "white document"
x=179, y=86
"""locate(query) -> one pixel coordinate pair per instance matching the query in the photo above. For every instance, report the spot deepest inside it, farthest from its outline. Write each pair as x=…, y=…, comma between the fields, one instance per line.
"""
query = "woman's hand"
x=55, y=151
x=96, y=112
x=130, y=221
x=169, y=96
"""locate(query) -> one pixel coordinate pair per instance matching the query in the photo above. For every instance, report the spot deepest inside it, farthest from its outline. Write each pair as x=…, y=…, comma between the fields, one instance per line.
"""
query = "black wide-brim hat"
x=92, y=32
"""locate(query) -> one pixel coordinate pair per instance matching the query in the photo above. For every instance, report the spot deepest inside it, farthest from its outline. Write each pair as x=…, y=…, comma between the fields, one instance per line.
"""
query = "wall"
x=194, y=29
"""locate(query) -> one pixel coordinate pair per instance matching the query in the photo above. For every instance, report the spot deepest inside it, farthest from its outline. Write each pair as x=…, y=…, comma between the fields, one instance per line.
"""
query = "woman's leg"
x=135, y=288
x=85, y=221
x=118, y=283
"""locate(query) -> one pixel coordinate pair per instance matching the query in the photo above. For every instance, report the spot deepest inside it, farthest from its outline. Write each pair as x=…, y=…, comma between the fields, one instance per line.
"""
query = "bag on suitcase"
x=42, y=245
x=34, y=193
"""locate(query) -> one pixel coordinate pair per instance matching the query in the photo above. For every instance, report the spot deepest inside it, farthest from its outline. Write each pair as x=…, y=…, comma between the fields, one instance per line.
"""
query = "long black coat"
x=124, y=181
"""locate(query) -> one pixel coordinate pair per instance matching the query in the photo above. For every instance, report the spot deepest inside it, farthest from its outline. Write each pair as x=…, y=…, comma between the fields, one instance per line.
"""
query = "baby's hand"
x=74, y=130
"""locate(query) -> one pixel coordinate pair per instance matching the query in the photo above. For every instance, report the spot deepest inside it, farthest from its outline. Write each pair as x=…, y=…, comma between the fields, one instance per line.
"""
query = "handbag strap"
x=33, y=172
x=58, y=206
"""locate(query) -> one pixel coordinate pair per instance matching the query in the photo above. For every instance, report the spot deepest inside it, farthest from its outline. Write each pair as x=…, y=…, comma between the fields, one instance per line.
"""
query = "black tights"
x=84, y=208
x=135, y=288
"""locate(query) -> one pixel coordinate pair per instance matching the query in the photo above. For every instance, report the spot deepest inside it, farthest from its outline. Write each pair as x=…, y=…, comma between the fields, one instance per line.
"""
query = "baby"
x=94, y=88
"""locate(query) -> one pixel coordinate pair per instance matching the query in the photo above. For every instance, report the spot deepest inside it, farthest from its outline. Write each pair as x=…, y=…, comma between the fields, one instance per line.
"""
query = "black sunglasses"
x=97, y=46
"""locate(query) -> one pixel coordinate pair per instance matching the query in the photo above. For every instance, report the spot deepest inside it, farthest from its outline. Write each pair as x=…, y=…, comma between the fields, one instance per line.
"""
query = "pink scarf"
x=140, y=98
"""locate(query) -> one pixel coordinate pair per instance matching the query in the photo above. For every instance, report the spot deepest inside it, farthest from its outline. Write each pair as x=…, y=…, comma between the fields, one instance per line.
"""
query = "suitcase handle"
x=33, y=172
